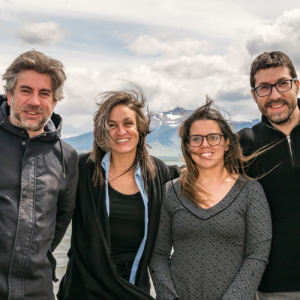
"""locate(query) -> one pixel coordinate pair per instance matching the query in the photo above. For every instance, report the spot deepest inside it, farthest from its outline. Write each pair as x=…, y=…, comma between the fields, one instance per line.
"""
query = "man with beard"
x=38, y=177
x=275, y=87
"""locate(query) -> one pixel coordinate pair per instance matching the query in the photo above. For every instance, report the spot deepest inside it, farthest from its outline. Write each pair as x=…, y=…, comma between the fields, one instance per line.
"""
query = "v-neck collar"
x=206, y=214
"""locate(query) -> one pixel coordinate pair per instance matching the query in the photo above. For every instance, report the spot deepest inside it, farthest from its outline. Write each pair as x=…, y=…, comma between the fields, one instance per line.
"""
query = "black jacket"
x=91, y=274
x=36, y=206
x=282, y=188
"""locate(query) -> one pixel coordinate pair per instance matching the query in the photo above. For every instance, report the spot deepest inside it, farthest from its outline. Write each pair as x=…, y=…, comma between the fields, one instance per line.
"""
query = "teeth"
x=122, y=141
x=206, y=154
x=31, y=113
x=276, y=106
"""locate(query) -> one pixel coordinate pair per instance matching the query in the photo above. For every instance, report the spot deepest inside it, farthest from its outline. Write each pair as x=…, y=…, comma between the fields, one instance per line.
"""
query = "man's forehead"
x=34, y=80
x=272, y=74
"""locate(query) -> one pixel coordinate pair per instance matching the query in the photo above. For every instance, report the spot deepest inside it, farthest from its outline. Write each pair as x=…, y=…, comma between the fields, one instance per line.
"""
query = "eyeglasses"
x=213, y=139
x=281, y=86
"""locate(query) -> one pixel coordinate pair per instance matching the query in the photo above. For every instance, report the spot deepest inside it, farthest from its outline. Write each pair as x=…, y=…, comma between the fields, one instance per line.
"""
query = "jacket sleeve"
x=258, y=245
x=66, y=202
x=160, y=262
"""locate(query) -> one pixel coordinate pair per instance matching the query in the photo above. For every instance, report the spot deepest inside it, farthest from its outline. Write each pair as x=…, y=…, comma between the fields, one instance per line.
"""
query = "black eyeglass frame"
x=205, y=136
x=271, y=85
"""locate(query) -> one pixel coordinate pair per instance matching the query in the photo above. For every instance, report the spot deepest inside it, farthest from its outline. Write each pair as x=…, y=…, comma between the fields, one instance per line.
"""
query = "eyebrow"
x=128, y=118
x=30, y=88
x=280, y=79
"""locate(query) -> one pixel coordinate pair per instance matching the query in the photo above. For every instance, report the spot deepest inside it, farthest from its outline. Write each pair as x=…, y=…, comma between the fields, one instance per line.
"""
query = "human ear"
x=227, y=142
x=297, y=85
x=8, y=98
x=253, y=95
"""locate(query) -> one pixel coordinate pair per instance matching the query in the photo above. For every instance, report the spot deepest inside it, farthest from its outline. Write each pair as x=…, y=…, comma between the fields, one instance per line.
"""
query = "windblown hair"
x=40, y=63
x=234, y=161
x=135, y=100
x=269, y=60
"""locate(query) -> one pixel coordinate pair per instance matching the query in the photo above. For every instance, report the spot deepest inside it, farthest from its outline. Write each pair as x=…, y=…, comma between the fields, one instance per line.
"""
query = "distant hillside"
x=164, y=139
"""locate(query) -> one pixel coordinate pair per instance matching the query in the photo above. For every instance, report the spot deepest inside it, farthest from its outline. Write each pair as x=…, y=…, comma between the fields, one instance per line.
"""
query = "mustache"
x=272, y=102
x=35, y=109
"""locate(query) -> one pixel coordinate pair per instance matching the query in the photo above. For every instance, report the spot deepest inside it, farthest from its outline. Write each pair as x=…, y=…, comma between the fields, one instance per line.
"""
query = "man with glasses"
x=274, y=87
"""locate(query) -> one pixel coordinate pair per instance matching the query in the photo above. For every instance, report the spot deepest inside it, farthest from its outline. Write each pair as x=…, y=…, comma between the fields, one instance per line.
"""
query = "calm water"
x=62, y=250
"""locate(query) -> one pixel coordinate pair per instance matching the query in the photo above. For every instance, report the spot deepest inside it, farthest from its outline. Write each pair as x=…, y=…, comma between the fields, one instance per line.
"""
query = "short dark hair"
x=268, y=60
x=40, y=63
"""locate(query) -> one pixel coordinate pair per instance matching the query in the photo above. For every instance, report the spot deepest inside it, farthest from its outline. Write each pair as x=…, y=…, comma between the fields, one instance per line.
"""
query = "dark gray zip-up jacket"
x=38, y=181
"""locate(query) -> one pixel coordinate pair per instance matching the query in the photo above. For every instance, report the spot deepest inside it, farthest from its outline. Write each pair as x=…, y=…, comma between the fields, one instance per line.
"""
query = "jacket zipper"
x=288, y=137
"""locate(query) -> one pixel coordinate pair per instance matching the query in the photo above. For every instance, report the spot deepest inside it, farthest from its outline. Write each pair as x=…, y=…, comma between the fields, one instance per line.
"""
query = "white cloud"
x=176, y=69
x=198, y=66
x=45, y=33
x=283, y=34
x=147, y=45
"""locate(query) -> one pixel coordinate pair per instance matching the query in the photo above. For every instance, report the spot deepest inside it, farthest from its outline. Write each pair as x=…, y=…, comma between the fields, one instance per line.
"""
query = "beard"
x=279, y=118
x=27, y=124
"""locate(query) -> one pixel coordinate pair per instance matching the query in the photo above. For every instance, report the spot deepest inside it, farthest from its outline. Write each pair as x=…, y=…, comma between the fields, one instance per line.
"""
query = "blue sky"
x=177, y=51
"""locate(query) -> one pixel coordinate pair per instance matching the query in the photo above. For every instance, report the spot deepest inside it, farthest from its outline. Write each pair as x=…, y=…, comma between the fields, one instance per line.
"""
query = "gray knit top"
x=220, y=253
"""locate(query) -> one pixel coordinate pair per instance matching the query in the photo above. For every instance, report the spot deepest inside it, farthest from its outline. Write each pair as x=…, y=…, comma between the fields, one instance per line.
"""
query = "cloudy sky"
x=177, y=51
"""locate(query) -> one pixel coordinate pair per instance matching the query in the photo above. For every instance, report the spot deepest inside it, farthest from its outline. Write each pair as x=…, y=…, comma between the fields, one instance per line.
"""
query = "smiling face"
x=207, y=156
x=123, y=130
x=278, y=107
x=32, y=103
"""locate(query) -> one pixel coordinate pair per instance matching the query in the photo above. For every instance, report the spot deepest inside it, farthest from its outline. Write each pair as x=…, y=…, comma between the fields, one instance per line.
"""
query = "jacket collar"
x=106, y=165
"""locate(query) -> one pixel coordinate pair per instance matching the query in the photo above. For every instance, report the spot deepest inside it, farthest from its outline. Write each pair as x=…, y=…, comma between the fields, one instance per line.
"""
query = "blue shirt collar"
x=106, y=164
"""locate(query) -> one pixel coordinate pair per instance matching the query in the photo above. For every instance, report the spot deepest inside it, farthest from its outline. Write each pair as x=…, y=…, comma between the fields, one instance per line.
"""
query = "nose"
x=34, y=99
x=275, y=94
x=121, y=130
x=205, y=142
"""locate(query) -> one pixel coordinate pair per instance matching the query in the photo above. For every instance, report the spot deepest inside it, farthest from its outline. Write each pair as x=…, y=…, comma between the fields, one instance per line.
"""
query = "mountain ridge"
x=163, y=140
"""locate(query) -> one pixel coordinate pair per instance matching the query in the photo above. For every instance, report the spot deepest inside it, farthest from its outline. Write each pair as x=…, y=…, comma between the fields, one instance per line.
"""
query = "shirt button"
x=18, y=249
x=24, y=143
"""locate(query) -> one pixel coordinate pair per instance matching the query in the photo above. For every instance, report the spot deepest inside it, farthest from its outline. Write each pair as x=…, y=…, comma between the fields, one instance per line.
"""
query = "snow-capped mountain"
x=163, y=140
x=170, y=118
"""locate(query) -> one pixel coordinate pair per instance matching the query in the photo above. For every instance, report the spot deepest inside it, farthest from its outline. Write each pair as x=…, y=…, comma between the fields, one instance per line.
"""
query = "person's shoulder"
x=162, y=169
x=84, y=159
x=69, y=152
x=253, y=186
x=159, y=163
x=247, y=134
x=172, y=185
x=250, y=137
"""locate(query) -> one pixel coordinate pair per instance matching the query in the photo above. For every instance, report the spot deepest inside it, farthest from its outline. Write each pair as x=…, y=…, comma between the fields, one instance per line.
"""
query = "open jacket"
x=38, y=180
x=91, y=274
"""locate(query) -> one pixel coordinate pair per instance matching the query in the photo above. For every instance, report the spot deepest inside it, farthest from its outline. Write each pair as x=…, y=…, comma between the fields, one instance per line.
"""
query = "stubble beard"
x=275, y=118
x=15, y=114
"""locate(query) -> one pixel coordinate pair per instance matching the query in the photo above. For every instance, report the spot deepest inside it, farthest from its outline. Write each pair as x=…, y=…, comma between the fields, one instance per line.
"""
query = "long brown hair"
x=135, y=100
x=234, y=161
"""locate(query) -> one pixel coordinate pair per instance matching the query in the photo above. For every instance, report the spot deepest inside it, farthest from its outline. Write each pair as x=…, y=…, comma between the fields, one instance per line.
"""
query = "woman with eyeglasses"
x=216, y=220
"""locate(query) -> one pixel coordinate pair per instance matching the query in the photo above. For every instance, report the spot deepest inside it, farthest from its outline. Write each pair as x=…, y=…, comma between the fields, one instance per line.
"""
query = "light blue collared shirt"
x=140, y=183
